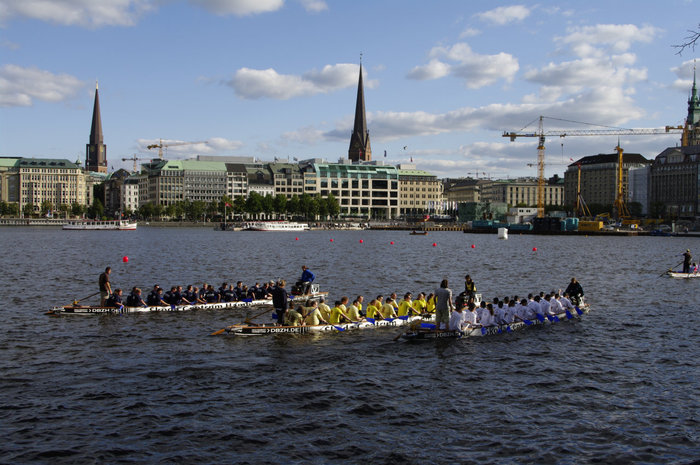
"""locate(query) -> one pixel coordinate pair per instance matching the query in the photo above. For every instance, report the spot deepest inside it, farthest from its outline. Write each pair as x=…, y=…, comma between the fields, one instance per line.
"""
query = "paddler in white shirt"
x=534, y=306
x=470, y=316
x=457, y=319
x=565, y=302
x=509, y=316
x=487, y=317
x=314, y=316
x=544, y=305
x=555, y=307
x=500, y=313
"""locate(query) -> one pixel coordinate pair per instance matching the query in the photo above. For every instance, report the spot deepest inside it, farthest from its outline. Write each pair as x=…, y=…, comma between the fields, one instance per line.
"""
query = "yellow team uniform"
x=353, y=313
x=404, y=308
x=372, y=311
x=325, y=311
x=420, y=305
x=314, y=317
x=294, y=318
x=388, y=311
x=430, y=307
x=335, y=316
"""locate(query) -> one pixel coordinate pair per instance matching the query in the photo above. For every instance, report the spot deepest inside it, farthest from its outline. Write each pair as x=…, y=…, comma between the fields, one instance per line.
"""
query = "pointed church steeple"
x=691, y=134
x=96, y=150
x=360, y=148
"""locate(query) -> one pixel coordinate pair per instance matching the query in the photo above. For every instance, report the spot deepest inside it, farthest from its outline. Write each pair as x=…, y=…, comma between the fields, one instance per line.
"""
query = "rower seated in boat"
x=420, y=304
x=337, y=314
x=294, y=316
x=457, y=319
x=155, y=298
x=313, y=314
x=373, y=310
x=387, y=309
x=324, y=309
x=114, y=300
x=353, y=312
x=406, y=305
x=134, y=299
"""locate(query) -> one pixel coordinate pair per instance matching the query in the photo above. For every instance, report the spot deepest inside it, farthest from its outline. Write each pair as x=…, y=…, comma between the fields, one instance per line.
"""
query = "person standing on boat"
x=575, y=291
x=443, y=305
x=307, y=277
x=469, y=286
x=279, y=300
x=686, y=261
x=105, y=286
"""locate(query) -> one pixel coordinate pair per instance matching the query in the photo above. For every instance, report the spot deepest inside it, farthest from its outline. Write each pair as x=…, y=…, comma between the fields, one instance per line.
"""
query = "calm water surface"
x=620, y=386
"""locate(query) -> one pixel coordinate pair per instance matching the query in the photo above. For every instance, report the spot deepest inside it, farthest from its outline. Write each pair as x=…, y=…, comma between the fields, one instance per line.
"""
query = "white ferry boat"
x=88, y=225
x=275, y=226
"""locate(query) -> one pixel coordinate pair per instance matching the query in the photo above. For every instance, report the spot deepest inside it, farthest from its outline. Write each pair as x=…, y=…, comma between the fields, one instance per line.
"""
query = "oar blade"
x=216, y=333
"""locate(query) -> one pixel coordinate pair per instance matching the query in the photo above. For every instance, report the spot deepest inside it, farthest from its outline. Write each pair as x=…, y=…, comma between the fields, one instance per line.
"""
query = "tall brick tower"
x=96, y=150
x=360, y=148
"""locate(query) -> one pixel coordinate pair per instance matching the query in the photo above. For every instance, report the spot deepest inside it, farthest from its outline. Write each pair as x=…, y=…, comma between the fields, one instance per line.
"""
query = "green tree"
x=158, y=210
x=46, y=207
x=77, y=209
x=322, y=207
x=28, y=209
x=97, y=209
x=253, y=205
x=333, y=206
x=170, y=211
x=280, y=204
x=13, y=209
x=239, y=205
x=145, y=211
x=305, y=205
x=293, y=205
x=268, y=204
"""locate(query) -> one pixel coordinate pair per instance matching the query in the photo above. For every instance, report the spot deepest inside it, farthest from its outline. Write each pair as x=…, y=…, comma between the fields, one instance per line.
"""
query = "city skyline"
x=279, y=79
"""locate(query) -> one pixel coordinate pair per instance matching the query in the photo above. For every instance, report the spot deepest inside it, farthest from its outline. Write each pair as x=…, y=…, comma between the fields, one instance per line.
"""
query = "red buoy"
x=331, y=240
x=434, y=244
x=296, y=238
x=125, y=259
x=361, y=241
x=473, y=246
x=534, y=249
x=392, y=242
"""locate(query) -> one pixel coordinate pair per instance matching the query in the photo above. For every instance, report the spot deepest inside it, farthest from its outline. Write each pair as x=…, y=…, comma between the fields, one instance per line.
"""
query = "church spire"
x=360, y=149
x=96, y=150
x=692, y=122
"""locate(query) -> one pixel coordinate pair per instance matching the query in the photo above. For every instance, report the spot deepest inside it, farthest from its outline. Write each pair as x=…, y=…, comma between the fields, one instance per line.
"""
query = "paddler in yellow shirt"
x=294, y=317
x=314, y=317
x=406, y=306
x=430, y=306
x=336, y=313
x=373, y=310
x=387, y=309
x=324, y=309
x=420, y=305
x=352, y=312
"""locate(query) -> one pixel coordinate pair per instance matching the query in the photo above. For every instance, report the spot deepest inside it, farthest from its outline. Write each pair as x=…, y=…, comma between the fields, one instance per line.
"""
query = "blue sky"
x=278, y=78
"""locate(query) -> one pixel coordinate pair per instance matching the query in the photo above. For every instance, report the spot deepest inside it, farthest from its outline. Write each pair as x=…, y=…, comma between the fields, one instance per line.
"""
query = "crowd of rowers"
x=466, y=313
x=192, y=295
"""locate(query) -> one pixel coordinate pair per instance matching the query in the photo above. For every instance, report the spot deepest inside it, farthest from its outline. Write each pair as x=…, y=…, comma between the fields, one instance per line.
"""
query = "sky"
x=278, y=78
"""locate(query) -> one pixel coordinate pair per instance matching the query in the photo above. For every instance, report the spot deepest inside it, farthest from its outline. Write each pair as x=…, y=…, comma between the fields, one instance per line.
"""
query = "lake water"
x=619, y=386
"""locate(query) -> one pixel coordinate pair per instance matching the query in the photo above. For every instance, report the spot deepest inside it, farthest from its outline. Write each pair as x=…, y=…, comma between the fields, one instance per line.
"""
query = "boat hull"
x=96, y=310
x=99, y=226
x=266, y=330
x=428, y=335
x=676, y=275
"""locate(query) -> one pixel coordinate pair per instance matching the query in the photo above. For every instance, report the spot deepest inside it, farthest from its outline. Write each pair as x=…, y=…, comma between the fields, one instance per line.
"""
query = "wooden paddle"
x=75, y=302
x=671, y=269
x=246, y=321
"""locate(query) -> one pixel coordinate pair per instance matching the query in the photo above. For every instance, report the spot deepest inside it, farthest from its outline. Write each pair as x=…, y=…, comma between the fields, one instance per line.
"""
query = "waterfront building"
x=287, y=178
x=464, y=189
x=418, y=191
x=36, y=181
x=674, y=180
x=599, y=178
x=113, y=188
x=96, y=150
x=639, y=187
x=522, y=192
x=368, y=190
x=167, y=182
x=360, y=148
x=130, y=194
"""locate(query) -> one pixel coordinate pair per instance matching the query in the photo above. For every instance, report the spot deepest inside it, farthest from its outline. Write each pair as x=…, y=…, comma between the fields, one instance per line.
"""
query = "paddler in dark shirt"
x=211, y=296
x=115, y=300
x=686, y=261
x=279, y=300
x=575, y=290
x=135, y=299
x=229, y=294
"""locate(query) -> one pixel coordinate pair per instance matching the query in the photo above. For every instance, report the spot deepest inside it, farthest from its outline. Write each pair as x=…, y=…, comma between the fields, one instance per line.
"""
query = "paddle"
x=75, y=302
x=247, y=320
x=671, y=269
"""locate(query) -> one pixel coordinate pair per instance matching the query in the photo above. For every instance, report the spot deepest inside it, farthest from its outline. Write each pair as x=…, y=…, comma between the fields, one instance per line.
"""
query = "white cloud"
x=20, y=86
x=238, y=7
x=306, y=135
x=685, y=73
x=469, y=32
x=87, y=13
x=268, y=83
x=504, y=14
x=585, y=40
x=314, y=6
x=476, y=70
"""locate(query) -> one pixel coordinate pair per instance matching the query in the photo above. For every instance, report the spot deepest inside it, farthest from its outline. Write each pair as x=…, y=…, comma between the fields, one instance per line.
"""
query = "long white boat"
x=275, y=226
x=253, y=329
x=675, y=274
x=426, y=331
x=112, y=225
x=75, y=309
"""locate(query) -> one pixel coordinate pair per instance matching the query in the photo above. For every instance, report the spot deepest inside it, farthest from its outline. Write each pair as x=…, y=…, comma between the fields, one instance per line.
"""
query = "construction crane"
x=541, y=134
x=136, y=160
x=161, y=145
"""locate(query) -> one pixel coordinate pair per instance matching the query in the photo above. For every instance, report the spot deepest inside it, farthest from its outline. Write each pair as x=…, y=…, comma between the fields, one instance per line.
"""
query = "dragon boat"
x=425, y=331
x=678, y=275
x=76, y=309
x=253, y=329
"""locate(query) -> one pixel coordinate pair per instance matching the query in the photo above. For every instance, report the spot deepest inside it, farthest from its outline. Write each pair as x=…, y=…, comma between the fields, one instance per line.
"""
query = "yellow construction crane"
x=541, y=134
x=161, y=145
x=136, y=160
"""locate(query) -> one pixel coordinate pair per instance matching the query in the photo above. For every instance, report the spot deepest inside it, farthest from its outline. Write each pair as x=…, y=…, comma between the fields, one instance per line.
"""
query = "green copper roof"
x=8, y=162
x=57, y=163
